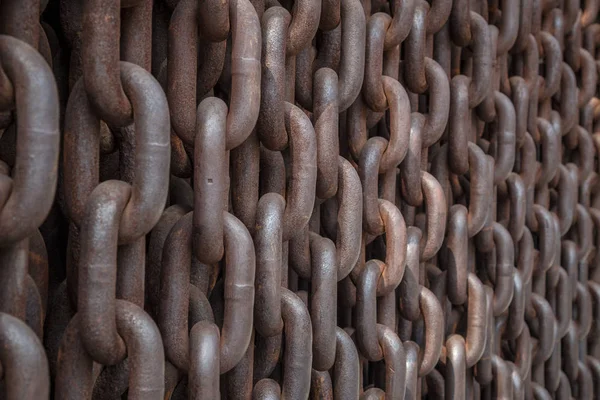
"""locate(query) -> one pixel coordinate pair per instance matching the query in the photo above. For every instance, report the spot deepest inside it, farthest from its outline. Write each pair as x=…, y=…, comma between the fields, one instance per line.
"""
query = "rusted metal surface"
x=324, y=199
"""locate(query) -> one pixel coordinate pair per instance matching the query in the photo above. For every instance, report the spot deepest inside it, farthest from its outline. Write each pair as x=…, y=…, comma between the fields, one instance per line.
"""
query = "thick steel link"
x=278, y=199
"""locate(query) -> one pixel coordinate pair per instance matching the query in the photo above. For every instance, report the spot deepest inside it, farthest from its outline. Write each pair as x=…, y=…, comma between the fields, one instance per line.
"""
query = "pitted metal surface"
x=312, y=199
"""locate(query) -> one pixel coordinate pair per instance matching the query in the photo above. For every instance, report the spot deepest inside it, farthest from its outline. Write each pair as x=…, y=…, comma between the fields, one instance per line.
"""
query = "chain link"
x=337, y=199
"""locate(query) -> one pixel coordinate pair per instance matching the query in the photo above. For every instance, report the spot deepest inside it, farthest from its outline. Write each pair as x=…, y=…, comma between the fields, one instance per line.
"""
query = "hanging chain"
x=324, y=199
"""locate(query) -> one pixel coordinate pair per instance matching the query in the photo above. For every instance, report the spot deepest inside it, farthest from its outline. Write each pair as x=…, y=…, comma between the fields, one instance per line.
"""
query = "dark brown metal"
x=265, y=199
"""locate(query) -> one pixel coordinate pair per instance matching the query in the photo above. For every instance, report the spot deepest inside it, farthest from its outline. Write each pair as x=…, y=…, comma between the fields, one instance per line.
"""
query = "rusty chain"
x=324, y=199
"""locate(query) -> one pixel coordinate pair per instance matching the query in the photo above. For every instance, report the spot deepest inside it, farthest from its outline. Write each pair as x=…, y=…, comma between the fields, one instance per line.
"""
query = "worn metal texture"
x=312, y=199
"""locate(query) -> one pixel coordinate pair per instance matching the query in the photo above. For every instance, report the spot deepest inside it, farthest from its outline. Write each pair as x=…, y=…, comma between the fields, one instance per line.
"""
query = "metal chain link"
x=324, y=199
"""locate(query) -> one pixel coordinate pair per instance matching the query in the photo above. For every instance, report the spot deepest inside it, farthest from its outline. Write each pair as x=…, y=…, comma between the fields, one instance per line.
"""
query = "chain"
x=324, y=199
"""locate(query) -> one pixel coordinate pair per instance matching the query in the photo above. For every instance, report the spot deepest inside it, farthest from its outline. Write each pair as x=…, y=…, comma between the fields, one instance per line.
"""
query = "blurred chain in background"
x=324, y=199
